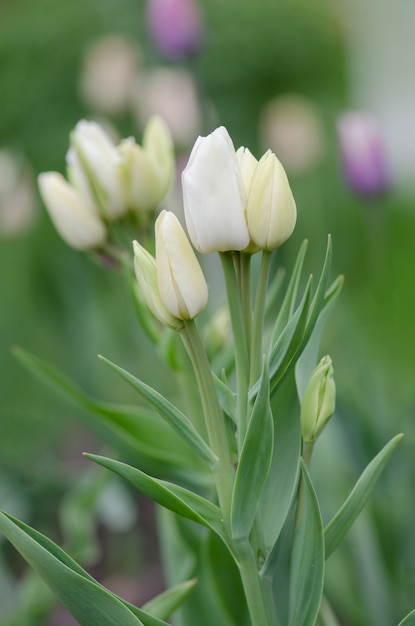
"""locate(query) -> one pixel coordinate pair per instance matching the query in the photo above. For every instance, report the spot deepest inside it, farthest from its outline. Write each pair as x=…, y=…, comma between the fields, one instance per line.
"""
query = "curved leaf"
x=344, y=518
x=307, y=568
x=166, y=603
x=409, y=620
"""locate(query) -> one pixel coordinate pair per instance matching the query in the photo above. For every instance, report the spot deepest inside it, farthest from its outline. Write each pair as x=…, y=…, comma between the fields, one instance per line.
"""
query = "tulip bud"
x=270, y=211
x=74, y=216
x=319, y=400
x=214, y=195
x=147, y=171
x=181, y=281
x=146, y=274
x=93, y=167
x=247, y=163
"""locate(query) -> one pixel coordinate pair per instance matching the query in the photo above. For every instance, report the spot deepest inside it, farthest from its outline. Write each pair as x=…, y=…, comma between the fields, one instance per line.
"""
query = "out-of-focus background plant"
x=329, y=89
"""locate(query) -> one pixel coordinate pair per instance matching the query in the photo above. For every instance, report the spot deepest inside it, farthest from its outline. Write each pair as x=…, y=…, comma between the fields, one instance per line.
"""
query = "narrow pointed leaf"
x=344, y=518
x=254, y=462
x=166, y=603
x=173, y=497
x=169, y=412
x=307, y=570
x=88, y=602
x=409, y=620
x=227, y=398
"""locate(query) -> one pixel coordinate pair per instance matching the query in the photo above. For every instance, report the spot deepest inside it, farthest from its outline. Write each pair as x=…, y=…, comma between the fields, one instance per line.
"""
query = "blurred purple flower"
x=176, y=26
x=363, y=155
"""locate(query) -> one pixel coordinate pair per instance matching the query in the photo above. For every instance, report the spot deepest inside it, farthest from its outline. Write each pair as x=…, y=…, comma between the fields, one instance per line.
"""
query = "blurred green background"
x=317, y=59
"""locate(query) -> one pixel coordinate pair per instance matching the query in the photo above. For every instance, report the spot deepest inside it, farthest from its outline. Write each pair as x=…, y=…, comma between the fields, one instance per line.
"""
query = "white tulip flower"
x=214, y=195
x=181, y=282
x=94, y=167
x=270, y=211
x=74, y=216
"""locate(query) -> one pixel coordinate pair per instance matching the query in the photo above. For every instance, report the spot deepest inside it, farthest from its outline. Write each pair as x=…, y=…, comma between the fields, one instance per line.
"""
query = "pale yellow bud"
x=319, y=400
x=271, y=212
x=146, y=274
x=181, y=281
x=247, y=163
x=74, y=216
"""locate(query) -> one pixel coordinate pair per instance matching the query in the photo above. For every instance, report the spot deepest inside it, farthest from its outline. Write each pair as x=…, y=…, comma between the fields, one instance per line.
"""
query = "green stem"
x=259, y=313
x=224, y=475
x=246, y=299
x=260, y=614
x=239, y=338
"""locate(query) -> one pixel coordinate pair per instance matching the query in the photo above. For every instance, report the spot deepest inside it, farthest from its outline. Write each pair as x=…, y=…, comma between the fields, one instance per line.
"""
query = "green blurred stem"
x=259, y=314
x=224, y=474
x=239, y=338
x=246, y=299
x=260, y=613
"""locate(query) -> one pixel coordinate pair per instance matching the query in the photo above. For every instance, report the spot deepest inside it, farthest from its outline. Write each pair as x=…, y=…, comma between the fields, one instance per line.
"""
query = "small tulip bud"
x=74, y=216
x=147, y=171
x=146, y=274
x=270, y=211
x=319, y=400
x=214, y=195
x=181, y=281
x=93, y=167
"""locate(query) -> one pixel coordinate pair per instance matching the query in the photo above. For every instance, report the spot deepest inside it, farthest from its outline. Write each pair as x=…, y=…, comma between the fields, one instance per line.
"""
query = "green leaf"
x=129, y=428
x=307, y=569
x=227, y=398
x=310, y=356
x=344, y=518
x=254, y=462
x=166, y=603
x=88, y=602
x=173, y=497
x=409, y=620
x=169, y=412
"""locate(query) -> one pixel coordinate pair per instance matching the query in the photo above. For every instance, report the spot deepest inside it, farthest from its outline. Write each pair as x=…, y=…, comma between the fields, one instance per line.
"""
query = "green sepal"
x=166, y=603
x=307, y=566
x=349, y=511
x=169, y=412
x=171, y=496
x=132, y=429
x=254, y=462
x=409, y=620
x=88, y=601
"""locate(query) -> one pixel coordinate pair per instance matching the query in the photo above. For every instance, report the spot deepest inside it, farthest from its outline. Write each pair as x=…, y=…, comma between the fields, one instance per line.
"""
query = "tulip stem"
x=261, y=614
x=239, y=338
x=245, y=289
x=224, y=474
x=259, y=314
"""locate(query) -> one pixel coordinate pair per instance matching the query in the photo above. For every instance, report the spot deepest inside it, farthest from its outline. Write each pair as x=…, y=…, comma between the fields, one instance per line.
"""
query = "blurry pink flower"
x=364, y=161
x=176, y=26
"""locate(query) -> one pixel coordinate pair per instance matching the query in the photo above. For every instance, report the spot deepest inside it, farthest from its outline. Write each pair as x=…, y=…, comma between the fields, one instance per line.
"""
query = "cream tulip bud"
x=319, y=400
x=93, y=167
x=247, y=163
x=181, y=281
x=271, y=212
x=74, y=216
x=147, y=171
x=146, y=274
x=214, y=195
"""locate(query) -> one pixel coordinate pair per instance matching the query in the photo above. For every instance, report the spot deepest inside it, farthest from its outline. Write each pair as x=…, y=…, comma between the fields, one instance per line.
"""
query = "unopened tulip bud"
x=214, y=195
x=147, y=170
x=74, y=216
x=181, y=281
x=146, y=274
x=319, y=400
x=93, y=167
x=247, y=163
x=270, y=211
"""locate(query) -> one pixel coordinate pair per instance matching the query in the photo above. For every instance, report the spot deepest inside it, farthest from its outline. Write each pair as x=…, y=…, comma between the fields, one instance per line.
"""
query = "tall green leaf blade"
x=409, y=620
x=88, y=602
x=173, y=497
x=166, y=603
x=169, y=412
x=307, y=569
x=348, y=512
x=254, y=462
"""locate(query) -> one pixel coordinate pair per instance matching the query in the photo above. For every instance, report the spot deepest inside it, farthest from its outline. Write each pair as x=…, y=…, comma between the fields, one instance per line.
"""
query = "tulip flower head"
x=319, y=400
x=181, y=282
x=214, y=195
x=93, y=167
x=271, y=211
x=74, y=216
